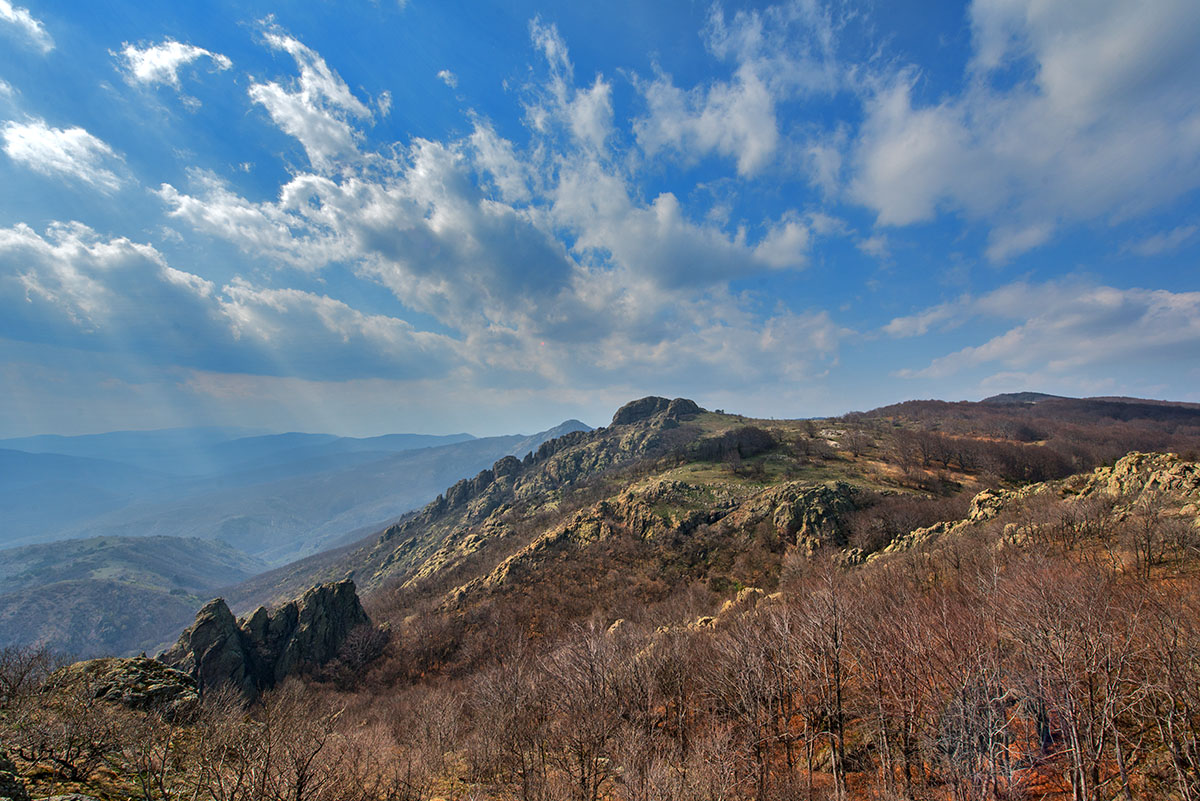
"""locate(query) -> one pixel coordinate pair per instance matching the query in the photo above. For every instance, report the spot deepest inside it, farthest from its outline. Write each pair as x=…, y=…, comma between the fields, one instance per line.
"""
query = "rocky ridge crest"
x=1133, y=479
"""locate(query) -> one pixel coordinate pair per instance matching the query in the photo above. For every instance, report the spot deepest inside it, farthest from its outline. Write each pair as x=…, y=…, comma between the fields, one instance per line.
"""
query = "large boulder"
x=136, y=683
x=256, y=653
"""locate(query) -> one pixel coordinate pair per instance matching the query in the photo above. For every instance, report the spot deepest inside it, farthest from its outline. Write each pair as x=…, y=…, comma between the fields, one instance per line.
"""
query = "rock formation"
x=136, y=682
x=256, y=653
x=645, y=408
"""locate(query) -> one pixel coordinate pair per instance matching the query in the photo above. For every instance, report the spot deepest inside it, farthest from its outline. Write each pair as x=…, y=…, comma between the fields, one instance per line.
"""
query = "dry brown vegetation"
x=1050, y=650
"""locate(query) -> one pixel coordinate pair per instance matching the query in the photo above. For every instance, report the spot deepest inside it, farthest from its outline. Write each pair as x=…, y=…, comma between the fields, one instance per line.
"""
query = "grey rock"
x=133, y=682
x=261, y=650
x=645, y=408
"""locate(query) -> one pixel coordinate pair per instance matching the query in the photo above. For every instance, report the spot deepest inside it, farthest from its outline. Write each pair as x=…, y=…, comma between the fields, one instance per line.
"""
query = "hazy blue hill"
x=45, y=492
x=207, y=452
x=188, y=564
x=176, y=451
x=111, y=595
x=59, y=488
x=83, y=619
x=307, y=498
x=273, y=447
x=131, y=576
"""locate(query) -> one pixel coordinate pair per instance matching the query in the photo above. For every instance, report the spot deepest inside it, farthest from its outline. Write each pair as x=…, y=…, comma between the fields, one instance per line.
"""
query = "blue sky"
x=370, y=217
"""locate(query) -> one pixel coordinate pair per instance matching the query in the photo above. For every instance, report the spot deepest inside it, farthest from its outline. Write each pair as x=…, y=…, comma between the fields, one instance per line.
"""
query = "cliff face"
x=256, y=653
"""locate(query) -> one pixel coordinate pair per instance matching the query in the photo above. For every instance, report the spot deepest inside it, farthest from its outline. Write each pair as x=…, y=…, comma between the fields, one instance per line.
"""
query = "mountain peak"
x=1021, y=398
x=645, y=408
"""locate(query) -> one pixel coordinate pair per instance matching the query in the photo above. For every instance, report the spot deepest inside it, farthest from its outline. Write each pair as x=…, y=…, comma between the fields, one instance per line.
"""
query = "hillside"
x=688, y=604
x=110, y=595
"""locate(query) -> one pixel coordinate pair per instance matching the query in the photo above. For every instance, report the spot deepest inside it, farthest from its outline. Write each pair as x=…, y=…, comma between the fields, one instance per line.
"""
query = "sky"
x=369, y=217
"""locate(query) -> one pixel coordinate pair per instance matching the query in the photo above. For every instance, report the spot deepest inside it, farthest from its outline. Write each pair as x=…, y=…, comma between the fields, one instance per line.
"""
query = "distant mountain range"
x=167, y=518
x=276, y=497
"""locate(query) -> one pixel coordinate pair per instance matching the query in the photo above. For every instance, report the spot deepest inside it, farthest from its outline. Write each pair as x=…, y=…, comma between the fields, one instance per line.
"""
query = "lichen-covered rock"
x=987, y=504
x=134, y=682
x=746, y=598
x=258, y=652
x=816, y=515
x=1138, y=473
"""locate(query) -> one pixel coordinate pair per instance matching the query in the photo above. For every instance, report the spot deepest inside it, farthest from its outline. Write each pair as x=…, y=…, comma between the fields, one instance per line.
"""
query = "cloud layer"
x=801, y=205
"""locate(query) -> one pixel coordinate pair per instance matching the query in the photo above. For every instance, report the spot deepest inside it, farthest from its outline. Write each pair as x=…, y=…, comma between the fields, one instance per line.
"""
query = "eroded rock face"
x=260, y=651
x=137, y=683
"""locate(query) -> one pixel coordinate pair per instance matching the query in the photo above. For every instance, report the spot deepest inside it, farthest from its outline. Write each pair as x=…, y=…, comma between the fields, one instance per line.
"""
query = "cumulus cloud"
x=1104, y=126
x=29, y=27
x=786, y=244
x=160, y=63
x=449, y=78
x=1062, y=327
x=779, y=53
x=540, y=259
x=59, y=152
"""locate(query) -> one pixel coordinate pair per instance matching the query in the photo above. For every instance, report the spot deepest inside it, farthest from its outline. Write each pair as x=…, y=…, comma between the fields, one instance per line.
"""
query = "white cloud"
x=785, y=245
x=735, y=119
x=540, y=259
x=449, y=78
x=1063, y=327
x=73, y=287
x=875, y=245
x=780, y=53
x=317, y=110
x=161, y=63
x=591, y=114
x=31, y=28
x=71, y=152
x=1164, y=241
x=921, y=323
x=265, y=230
x=1105, y=126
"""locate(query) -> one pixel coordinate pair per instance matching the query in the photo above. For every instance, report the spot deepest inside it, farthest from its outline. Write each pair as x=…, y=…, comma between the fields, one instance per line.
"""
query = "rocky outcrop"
x=1140, y=473
x=12, y=788
x=258, y=652
x=136, y=683
x=645, y=408
x=1136, y=477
